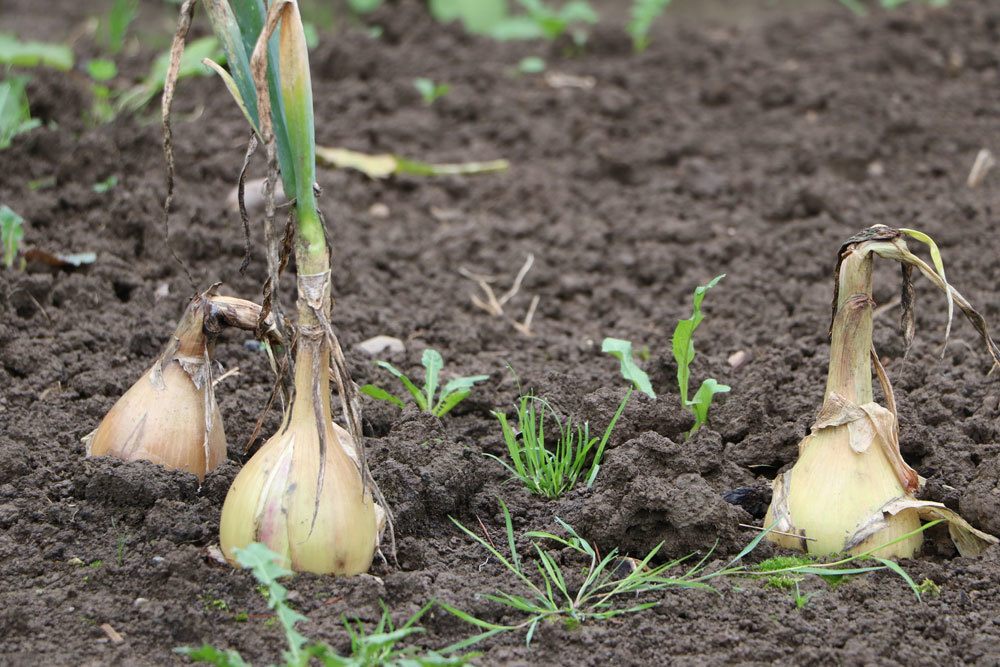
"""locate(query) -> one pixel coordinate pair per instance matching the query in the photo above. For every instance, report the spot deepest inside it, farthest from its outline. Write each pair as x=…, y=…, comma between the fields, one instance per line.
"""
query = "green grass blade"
x=897, y=568
x=382, y=395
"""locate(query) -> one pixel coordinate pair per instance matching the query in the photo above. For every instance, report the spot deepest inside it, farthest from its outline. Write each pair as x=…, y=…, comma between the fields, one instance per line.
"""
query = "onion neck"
x=190, y=331
x=850, y=373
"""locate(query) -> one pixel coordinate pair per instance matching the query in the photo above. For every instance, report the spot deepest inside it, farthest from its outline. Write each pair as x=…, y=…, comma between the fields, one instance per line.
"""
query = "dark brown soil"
x=751, y=147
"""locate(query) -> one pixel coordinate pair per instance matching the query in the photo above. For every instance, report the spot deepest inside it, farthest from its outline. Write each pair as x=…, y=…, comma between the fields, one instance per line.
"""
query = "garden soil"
x=750, y=145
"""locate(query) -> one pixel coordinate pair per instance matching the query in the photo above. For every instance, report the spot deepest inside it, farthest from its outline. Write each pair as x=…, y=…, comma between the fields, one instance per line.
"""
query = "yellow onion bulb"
x=302, y=495
x=162, y=417
x=832, y=491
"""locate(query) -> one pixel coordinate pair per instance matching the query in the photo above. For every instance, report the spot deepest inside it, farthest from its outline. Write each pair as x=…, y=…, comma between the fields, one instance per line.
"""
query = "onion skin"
x=162, y=425
x=833, y=488
x=162, y=417
x=305, y=504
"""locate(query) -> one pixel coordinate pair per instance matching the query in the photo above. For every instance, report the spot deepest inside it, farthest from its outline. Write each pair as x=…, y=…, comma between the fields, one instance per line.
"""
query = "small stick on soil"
x=494, y=305
x=982, y=166
x=486, y=532
x=235, y=370
x=112, y=633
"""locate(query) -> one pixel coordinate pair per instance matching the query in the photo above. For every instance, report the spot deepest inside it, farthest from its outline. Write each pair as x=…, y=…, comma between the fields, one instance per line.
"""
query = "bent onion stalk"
x=307, y=493
x=850, y=489
x=170, y=416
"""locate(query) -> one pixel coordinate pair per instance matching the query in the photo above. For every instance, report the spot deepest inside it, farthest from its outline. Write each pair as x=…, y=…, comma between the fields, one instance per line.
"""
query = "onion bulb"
x=169, y=416
x=302, y=494
x=850, y=489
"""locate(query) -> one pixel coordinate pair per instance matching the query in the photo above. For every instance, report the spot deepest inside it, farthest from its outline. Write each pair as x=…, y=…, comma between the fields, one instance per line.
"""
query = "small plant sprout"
x=15, y=113
x=114, y=26
x=683, y=348
x=547, y=469
x=850, y=488
x=378, y=647
x=11, y=235
x=16, y=53
x=107, y=185
x=644, y=13
x=428, y=398
x=531, y=65
x=430, y=91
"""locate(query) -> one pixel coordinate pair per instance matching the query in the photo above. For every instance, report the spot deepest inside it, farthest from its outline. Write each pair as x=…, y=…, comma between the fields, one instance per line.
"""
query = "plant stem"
x=850, y=373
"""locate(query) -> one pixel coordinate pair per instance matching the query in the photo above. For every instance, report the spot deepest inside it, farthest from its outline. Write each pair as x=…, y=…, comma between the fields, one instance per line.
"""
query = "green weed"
x=11, y=235
x=429, y=91
x=378, y=648
x=428, y=399
x=644, y=13
x=683, y=349
x=15, y=112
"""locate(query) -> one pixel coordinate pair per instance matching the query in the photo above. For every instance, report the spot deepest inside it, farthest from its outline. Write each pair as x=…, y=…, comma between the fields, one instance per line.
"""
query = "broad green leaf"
x=433, y=363
x=191, y=65
x=448, y=402
x=381, y=394
x=11, y=234
x=478, y=16
x=102, y=69
x=364, y=6
x=683, y=339
x=622, y=350
x=702, y=401
x=531, y=65
x=15, y=113
x=33, y=54
x=212, y=656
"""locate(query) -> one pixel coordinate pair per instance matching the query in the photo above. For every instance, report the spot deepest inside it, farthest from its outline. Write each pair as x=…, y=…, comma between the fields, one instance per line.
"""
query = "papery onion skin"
x=161, y=418
x=277, y=498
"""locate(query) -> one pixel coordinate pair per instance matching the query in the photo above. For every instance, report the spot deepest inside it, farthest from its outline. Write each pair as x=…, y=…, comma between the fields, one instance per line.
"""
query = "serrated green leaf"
x=622, y=350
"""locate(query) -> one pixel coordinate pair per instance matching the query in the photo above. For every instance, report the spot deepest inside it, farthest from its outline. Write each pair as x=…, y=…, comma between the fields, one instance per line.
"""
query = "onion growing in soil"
x=169, y=416
x=307, y=494
x=850, y=489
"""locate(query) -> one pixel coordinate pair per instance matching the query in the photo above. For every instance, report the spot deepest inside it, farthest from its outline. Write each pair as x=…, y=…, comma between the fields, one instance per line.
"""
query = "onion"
x=302, y=494
x=850, y=489
x=169, y=416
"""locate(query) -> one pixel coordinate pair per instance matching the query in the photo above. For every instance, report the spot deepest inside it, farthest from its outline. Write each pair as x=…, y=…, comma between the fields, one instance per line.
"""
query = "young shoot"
x=11, y=235
x=644, y=14
x=380, y=646
x=15, y=113
x=850, y=488
x=428, y=398
x=430, y=91
x=683, y=348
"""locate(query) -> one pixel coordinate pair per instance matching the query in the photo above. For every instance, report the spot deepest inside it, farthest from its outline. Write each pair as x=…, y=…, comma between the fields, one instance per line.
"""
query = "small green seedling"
x=115, y=25
x=427, y=399
x=15, y=113
x=551, y=470
x=801, y=599
x=430, y=91
x=644, y=13
x=543, y=21
x=364, y=6
x=11, y=235
x=367, y=649
x=683, y=348
x=191, y=65
x=106, y=185
x=531, y=65
x=16, y=53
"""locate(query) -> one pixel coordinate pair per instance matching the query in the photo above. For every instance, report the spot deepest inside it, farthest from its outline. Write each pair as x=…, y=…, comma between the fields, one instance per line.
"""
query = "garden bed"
x=750, y=146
